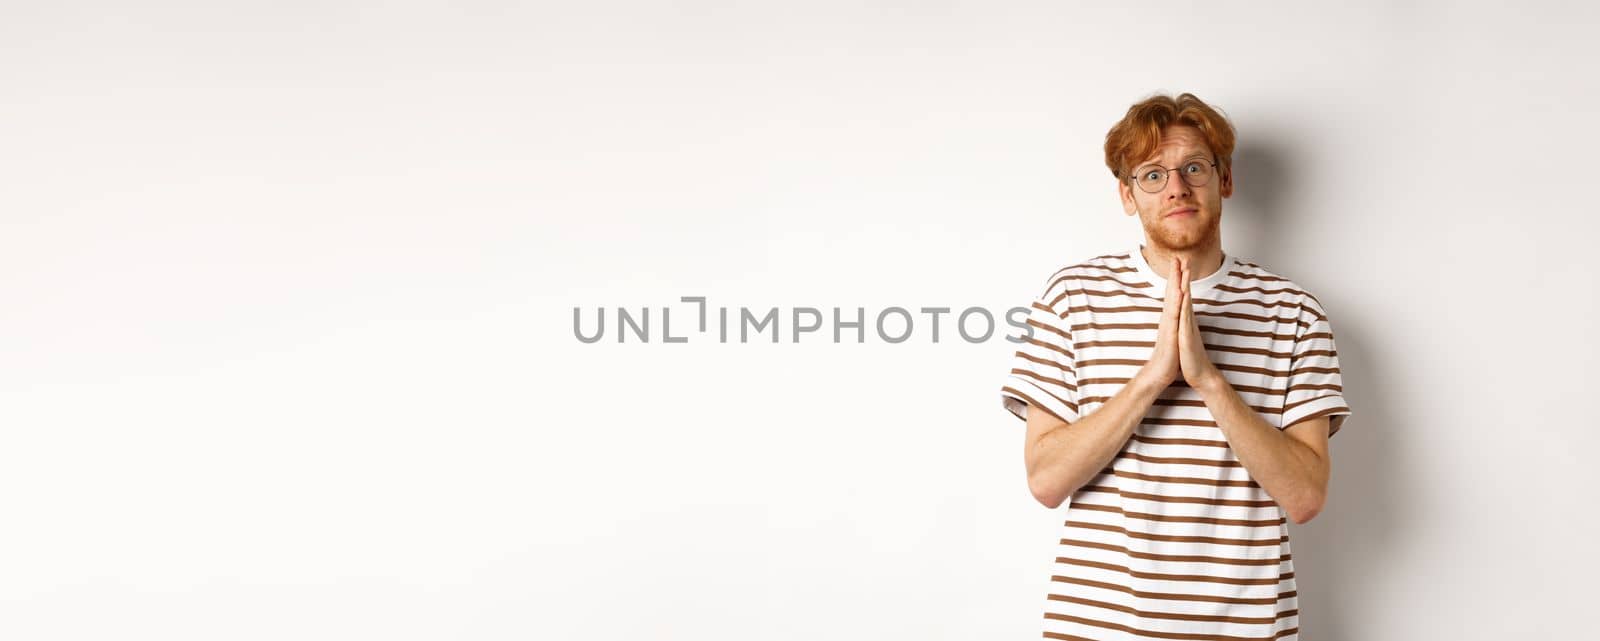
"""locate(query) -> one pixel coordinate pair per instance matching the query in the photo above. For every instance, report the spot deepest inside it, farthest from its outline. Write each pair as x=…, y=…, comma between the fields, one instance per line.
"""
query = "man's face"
x=1179, y=217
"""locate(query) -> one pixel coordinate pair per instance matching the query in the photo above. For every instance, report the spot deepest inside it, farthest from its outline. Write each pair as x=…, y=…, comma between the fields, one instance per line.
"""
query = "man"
x=1179, y=400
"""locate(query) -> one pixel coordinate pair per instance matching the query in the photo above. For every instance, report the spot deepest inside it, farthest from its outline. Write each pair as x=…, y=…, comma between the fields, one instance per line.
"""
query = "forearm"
x=1065, y=458
x=1293, y=474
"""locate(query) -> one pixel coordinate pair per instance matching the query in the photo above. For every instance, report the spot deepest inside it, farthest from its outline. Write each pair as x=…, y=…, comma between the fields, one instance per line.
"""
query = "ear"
x=1126, y=194
x=1227, y=183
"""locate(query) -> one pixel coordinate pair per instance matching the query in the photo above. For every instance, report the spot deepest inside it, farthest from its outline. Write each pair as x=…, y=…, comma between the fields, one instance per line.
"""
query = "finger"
x=1183, y=315
x=1183, y=278
x=1191, y=324
x=1183, y=322
x=1189, y=309
x=1190, y=320
x=1174, y=292
x=1186, y=305
x=1183, y=306
x=1186, y=291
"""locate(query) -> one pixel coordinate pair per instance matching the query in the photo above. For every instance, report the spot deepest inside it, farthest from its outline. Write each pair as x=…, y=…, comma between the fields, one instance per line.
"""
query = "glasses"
x=1153, y=178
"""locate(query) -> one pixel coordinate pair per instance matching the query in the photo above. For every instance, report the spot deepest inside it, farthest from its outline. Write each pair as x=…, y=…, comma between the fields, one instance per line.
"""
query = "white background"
x=287, y=330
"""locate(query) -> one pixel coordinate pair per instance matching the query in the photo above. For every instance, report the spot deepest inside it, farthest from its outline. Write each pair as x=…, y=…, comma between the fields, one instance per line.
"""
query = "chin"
x=1179, y=243
x=1180, y=235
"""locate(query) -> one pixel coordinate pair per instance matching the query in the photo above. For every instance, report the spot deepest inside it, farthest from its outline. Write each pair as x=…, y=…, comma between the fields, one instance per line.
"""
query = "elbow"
x=1306, y=510
x=1042, y=492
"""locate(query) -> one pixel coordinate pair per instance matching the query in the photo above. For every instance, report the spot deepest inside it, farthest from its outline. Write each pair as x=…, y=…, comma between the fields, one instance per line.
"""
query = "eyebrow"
x=1200, y=154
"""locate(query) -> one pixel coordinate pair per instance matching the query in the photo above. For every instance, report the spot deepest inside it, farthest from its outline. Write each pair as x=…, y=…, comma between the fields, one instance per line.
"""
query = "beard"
x=1183, y=234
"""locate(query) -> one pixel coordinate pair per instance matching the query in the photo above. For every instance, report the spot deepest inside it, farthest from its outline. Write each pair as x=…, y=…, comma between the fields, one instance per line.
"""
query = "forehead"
x=1177, y=143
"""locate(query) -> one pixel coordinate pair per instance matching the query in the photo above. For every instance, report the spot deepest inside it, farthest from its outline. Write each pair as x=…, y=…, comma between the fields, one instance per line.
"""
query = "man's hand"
x=1196, y=366
x=1164, y=365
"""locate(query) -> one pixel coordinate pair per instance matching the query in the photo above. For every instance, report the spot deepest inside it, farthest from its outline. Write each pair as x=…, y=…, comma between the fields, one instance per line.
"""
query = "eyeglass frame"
x=1167, y=174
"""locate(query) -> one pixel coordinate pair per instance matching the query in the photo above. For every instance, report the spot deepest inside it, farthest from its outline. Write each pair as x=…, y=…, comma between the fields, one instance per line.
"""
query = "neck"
x=1203, y=260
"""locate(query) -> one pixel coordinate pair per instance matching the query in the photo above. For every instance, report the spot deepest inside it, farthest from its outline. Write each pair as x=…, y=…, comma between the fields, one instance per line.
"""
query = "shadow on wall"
x=1352, y=540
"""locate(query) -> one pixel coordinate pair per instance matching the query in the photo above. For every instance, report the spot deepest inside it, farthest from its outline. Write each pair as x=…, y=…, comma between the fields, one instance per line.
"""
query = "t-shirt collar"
x=1195, y=287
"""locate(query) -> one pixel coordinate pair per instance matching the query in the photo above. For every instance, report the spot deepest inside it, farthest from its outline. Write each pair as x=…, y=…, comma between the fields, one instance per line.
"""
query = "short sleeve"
x=1042, y=370
x=1315, y=386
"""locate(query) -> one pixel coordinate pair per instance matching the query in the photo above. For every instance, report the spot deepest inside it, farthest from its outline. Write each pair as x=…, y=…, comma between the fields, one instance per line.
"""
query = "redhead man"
x=1178, y=401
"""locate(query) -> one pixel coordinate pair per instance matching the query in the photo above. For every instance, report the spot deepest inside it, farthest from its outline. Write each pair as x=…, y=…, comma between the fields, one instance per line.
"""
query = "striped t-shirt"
x=1174, y=540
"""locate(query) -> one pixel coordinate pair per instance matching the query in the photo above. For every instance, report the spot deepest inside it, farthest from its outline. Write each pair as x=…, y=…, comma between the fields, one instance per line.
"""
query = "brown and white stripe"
x=1174, y=540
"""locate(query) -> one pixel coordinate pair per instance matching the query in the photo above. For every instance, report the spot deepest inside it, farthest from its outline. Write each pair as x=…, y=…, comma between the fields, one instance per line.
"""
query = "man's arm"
x=1061, y=457
x=1291, y=465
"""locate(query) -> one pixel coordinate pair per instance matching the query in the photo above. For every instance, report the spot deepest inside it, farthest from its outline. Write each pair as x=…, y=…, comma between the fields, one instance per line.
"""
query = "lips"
x=1189, y=211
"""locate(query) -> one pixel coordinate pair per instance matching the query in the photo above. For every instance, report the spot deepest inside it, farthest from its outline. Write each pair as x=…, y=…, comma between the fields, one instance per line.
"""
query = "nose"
x=1176, y=186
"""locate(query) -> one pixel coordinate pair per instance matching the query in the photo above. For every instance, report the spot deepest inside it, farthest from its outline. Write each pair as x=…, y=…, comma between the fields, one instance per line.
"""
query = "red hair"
x=1137, y=135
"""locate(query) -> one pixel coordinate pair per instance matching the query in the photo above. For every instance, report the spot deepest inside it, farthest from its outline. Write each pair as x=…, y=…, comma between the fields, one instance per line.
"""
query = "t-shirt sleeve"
x=1315, y=386
x=1042, y=372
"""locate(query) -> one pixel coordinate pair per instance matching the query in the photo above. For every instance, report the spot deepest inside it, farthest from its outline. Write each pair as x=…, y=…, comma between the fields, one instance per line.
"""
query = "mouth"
x=1186, y=211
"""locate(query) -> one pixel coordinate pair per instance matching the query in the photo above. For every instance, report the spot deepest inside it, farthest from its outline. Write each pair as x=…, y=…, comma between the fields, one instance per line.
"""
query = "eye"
x=1194, y=167
x=1153, y=174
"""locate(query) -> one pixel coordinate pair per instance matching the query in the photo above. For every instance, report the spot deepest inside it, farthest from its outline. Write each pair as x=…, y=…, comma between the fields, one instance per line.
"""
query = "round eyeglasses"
x=1153, y=178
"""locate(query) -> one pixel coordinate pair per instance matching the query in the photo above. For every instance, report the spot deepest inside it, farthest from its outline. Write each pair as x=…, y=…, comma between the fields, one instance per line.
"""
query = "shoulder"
x=1071, y=276
x=1274, y=286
